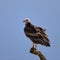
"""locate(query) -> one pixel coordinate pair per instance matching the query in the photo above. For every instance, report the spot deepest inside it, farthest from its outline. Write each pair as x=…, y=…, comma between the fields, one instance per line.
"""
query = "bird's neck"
x=28, y=24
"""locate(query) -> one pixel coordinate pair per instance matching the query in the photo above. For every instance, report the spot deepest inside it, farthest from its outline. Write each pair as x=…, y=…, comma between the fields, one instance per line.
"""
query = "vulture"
x=36, y=34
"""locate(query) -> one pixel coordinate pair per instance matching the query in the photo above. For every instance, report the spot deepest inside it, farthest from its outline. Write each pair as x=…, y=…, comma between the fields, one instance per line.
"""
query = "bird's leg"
x=35, y=46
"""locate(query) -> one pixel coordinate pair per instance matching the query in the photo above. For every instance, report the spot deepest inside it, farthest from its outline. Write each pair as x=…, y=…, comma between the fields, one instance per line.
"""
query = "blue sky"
x=14, y=45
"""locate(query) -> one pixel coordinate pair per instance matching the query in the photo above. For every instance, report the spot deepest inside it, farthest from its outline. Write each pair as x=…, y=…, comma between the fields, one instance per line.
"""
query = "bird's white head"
x=26, y=20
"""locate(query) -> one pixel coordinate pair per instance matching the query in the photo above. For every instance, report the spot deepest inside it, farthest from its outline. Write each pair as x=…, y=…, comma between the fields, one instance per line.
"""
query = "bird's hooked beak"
x=23, y=21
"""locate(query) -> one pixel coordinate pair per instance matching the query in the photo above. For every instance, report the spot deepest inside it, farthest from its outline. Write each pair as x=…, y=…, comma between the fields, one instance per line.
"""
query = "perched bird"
x=36, y=34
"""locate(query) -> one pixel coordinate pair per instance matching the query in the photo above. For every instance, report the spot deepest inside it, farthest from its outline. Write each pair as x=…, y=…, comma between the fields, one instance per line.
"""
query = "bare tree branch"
x=38, y=53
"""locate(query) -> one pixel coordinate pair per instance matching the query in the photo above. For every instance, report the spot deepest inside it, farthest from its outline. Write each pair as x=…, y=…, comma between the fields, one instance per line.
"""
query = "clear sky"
x=14, y=45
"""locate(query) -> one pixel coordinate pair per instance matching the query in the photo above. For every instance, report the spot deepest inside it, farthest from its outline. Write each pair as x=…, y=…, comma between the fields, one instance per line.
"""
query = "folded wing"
x=37, y=35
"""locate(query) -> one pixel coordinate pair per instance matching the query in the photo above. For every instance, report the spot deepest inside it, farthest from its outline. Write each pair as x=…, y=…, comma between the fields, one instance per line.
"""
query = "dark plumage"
x=36, y=34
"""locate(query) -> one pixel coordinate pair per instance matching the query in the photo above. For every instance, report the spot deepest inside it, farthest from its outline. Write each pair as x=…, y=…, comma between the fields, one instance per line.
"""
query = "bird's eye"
x=26, y=19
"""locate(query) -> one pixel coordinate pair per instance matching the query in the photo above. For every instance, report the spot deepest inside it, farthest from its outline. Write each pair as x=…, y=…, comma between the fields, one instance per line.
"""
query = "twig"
x=36, y=52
